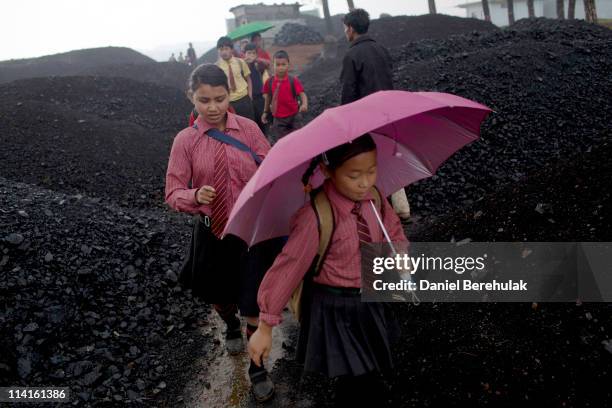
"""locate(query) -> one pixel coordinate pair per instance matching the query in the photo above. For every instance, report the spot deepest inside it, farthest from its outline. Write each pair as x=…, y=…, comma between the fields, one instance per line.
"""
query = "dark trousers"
x=244, y=107
x=258, y=108
x=281, y=127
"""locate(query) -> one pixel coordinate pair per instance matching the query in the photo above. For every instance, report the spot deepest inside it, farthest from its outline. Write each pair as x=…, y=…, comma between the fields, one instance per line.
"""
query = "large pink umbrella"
x=414, y=132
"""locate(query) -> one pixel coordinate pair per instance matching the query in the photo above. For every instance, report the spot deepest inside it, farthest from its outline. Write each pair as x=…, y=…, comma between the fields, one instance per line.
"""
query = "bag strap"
x=227, y=139
x=269, y=83
x=326, y=225
x=292, y=83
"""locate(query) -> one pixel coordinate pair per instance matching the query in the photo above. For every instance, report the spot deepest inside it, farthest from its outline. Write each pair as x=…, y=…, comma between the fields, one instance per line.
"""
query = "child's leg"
x=233, y=335
x=228, y=313
x=256, y=265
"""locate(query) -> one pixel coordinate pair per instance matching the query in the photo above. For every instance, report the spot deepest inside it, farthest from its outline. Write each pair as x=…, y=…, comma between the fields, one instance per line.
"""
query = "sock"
x=228, y=314
x=250, y=329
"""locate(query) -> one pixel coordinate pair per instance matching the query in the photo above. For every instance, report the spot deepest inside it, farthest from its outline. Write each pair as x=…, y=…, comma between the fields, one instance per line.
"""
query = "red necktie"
x=232, y=80
x=221, y=185
x=274, y=104
x=367, y=251
x=362, y=226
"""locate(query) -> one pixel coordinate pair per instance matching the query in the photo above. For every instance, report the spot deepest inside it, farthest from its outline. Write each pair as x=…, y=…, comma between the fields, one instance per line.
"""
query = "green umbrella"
x=248, y=29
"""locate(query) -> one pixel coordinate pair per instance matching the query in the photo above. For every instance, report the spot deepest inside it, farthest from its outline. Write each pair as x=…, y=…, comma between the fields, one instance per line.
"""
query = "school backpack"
x=326, y=225
x=291, y=83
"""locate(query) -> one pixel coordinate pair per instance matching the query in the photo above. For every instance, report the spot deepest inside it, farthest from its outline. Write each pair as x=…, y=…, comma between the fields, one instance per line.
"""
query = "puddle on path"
x=224, y=382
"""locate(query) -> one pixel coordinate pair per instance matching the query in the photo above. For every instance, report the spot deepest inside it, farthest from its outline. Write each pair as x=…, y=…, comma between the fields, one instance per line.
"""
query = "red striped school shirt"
x=192, y=158
x=342, y=266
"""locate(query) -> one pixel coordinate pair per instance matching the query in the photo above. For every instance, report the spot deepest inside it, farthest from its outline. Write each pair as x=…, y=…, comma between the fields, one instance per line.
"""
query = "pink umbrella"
x=414, y=132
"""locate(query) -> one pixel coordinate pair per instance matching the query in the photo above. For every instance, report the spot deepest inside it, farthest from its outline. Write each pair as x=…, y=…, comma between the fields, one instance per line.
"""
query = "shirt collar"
x=360, y=39
x=231, y=123
x=345, y=205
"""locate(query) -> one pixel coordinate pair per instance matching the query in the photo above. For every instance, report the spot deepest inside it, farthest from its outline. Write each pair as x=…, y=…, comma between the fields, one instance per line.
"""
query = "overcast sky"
x=31, y=28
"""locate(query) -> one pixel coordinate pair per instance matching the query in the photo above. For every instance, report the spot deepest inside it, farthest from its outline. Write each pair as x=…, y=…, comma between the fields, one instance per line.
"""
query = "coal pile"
x=69, y=63
x=549, y=87
x=209, y=57
x=292, y=33
x=559, y=351
x=104, y=137
x=89, y=295
x=318, y=24
x=167, y=74
x=399, y=30
x=566, y=200
x=108, y=62
x=321, y=79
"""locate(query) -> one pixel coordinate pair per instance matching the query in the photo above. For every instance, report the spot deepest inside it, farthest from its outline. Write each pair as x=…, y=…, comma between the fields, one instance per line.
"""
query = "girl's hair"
x=335, y=157
x=207, y=74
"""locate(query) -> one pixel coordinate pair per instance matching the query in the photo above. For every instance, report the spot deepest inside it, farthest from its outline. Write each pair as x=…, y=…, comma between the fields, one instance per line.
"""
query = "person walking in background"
x=207, y=170
x=263, y=58
x=259, y=76
x=366, y=68
x=172, y=58
x=191, y=56
x=239, y=78
x=281, y=94
x=181, y=58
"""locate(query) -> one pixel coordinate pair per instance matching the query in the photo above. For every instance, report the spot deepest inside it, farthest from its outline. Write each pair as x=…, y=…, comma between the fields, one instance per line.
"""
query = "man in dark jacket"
x=366, y=67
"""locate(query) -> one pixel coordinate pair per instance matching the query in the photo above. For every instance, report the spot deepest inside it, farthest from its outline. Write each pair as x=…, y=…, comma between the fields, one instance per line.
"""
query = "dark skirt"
x=223, y=271
x=341, y=335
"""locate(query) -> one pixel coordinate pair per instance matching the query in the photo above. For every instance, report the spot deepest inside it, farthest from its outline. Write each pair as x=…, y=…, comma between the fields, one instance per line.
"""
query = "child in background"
x=238, y=77
x=341, y=336
x=263, y=58
x=259, y=75
x=280, y=99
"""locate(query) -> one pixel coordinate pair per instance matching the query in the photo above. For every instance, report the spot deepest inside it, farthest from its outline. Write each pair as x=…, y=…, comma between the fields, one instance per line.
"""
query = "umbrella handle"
x=415, y=298
x=382, y=226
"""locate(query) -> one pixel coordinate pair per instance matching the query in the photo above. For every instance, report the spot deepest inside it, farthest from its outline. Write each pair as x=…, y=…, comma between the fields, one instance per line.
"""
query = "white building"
x=542, y=8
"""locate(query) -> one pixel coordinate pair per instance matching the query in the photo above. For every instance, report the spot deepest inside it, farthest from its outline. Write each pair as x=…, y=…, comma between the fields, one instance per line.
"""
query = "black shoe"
x=233, y=342
x=262, y=386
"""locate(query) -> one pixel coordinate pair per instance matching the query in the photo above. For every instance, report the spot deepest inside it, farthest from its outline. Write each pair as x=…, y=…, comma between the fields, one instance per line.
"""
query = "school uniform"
x=341, y=335
x=237, y=72
x=258, y=78
x=220, y=271
x=283, y=106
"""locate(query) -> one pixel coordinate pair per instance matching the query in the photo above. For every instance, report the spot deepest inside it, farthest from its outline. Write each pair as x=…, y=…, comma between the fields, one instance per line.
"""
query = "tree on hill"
x=590, y=11
x=486, y=11
x=328, y=22
x=432, y=6
x=530, y=9
x=560, y=10
x=510, y=12
x=571, y=9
